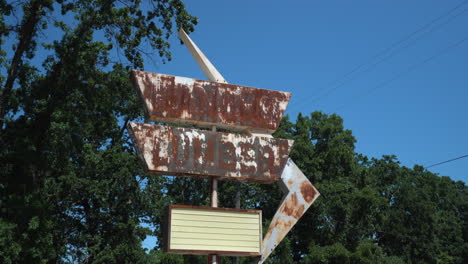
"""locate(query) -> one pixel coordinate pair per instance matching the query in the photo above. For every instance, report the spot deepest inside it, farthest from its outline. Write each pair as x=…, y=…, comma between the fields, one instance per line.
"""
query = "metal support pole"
x=208, y=69
x=214, y=259
x=238, y=206
x=214, y=192
x=238, y=194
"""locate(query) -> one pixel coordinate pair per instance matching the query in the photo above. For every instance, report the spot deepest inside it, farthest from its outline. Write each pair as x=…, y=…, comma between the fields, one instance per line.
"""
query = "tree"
x=71, y=187
x=370, y=210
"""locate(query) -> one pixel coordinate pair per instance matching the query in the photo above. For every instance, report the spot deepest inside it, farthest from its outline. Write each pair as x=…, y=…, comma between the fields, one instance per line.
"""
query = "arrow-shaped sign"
x=193, y=152
x=299, y=196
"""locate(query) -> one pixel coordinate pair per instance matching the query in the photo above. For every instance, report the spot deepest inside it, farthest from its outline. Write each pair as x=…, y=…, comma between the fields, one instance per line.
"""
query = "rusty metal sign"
x=251, y=156
x=193, y=152
x=299, y=196
x=181, y=100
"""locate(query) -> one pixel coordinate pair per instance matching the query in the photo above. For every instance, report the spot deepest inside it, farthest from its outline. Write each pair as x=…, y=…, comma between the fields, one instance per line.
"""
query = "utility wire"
x=411, y=68
x=447, y=161
x=386, y=58
x=396, y=43
x=397, y=50
x=348, y=76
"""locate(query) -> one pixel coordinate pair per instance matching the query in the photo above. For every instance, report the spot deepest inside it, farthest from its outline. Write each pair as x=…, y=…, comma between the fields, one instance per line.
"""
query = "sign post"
x=213, y=259
x=199, y=150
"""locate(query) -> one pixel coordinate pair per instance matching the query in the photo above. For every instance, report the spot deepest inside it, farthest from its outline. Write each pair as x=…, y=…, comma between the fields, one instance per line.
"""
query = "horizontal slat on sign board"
x=184, y=209
x=193, y=223
x=201, y=103
x=226, y=237
x=195, y=234
x=209, y=230
x=192, y=152
x=210, y=218
x=213, y=242
x=197, y=247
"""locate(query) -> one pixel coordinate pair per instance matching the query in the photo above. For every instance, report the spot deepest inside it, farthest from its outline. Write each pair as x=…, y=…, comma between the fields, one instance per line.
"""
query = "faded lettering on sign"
x=174, y=99
x=192, y=152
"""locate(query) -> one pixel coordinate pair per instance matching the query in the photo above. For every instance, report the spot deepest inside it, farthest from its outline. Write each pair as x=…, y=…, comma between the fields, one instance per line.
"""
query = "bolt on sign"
x=250, y=154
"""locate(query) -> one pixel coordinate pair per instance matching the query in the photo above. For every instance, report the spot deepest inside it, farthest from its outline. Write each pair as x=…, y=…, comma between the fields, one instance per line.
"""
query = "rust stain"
x=292, y=207
x=308, y=192
x=192, y=152
x=176, y=99
x=199, y=153
x=300, y=194
x=283, y=225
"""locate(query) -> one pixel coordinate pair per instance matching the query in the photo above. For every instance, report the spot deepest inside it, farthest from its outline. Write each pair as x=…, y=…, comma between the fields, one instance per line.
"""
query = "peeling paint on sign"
x=181, y=100
x=300, y=194
x=192, y=152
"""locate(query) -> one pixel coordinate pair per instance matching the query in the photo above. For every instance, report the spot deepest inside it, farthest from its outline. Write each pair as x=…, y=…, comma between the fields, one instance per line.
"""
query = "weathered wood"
x=181, y=100
x=192, y=152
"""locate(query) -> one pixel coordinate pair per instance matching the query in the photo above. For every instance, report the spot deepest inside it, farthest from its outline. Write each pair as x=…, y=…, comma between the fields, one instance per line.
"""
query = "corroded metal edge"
x=180, y=100
x=300, y=196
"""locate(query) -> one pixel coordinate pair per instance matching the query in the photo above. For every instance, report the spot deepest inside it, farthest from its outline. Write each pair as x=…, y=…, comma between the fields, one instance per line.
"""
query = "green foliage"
x=159, y=257
x=365, y=253
x=335, y=253
x=371, y=211
x=72, y=189
x=10, y=249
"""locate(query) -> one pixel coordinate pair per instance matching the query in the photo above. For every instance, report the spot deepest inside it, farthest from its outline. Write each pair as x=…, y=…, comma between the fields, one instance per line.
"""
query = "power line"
x=409, y=36
x=396, y=51
x=411, y=68
x=370, y=64
x=447, y=161
x=386, y=58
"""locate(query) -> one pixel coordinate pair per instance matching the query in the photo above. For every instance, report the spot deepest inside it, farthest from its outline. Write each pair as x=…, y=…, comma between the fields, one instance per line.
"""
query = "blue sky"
x=396, y=71
x=404, y=96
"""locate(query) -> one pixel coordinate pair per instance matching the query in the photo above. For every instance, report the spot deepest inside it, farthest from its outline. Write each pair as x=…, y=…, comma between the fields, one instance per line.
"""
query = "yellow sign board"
x=208, y=230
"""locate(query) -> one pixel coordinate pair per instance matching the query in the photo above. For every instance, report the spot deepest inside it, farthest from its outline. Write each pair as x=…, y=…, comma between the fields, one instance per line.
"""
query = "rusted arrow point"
x=299, y=196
